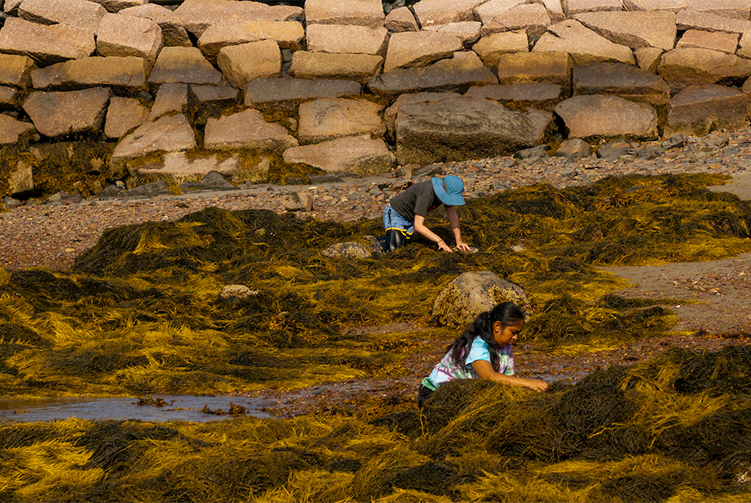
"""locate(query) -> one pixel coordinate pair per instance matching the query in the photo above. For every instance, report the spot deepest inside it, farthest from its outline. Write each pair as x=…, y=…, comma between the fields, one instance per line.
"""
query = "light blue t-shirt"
x=446, y=370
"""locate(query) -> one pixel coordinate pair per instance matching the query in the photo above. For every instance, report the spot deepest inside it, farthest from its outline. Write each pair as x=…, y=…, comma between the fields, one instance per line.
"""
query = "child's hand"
x=537, y=385
x=462, y=246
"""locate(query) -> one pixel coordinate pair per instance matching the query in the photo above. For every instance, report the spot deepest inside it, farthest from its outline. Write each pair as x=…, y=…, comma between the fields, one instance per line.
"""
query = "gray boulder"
x=574, y=148
x=80, y=13
x=16, y=70
x=683, y=68
x=11, y=130
x=700, y=109
x=123, y=115
x=62, y=113
x=329, y=118
x=529, y=95
x=246, y=129
x=353, y=154
x=598, y=116
x=120, y=73
x=627, y=81
x=183, y=65
x=464, y=128
x=168, y=134
x=270, y=92
x=44, y=44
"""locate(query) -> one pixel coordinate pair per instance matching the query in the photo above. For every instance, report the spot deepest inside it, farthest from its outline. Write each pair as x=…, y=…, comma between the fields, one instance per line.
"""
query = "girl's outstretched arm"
x=484, y=370
x=454, y=220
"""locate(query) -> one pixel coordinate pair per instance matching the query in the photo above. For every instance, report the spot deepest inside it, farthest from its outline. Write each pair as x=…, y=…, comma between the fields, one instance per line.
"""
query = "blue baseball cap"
x=449, y=190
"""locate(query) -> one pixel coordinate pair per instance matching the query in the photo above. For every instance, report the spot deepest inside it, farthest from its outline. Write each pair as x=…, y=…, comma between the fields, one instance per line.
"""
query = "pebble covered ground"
x=51, y=235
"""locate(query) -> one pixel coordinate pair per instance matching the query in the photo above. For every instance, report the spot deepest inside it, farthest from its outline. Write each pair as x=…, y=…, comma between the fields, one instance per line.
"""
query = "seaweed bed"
x=142, y=313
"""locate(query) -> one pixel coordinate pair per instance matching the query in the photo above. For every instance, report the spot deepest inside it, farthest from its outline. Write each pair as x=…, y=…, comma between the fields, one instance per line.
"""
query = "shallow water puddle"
x=174, y=408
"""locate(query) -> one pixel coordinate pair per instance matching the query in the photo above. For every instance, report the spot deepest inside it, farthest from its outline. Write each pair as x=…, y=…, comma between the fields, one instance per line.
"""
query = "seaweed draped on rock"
x=474, y=292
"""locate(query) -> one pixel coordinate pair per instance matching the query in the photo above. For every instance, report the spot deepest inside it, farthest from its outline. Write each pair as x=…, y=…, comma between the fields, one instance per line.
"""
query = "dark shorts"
x=423, y=394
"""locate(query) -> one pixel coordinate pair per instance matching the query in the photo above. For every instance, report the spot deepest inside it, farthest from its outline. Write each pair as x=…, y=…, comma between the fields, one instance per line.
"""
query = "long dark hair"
x=507, y=313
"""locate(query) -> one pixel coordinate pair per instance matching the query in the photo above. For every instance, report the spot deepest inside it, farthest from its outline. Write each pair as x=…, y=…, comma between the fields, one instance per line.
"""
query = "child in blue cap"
x=406, y=213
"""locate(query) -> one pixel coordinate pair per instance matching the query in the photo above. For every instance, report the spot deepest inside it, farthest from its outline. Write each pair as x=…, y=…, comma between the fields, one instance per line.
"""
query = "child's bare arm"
x=484, y=370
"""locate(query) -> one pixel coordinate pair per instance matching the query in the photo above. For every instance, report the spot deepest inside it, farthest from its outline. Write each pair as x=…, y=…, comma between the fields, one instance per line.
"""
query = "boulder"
x=11, y=130
x=389, y=115
x=459, y=73
x=353, y=154
x=697, y=110
x=633, y=29
x=744, y=46
x=8, y=97
x=197, y=15
x=736, y=9
x=16, y=70
x=598, y=116
x=121, y=35
x=124, y=115
x=352, y=39
x=401, y=19
x=533, y=18
x=546, y=67
x=650, y=5
x=647, y=58
x=173, y=33
x=237, y=293
x=170, y=99
x=287, y=34
x=464, y=128
x=574, y=7
x=490, y=47
x=120, y=73
x=79, y=13
x=185, y=168
x=62, y=113
x=214, y=94
x=419, y=48
x=688, y=19
x=183, y=65
x=21, y=178
x=263, y=92
x=353, y=250
x=683, y=68
x=574, y=148
x=715, y=40
x=466, y=31
x=584, y=45
x=529, y=95
x=474, y=292
x=168, y=134
x=626, y=81
x=115, y=6
x=486, y=11
x=246, y=130
x=329, y=118
x=213, y=180
x=430, y=12
x=555, y=10
x=356, y=12
x=44, y=44
x=322, y=65
x=245, y=62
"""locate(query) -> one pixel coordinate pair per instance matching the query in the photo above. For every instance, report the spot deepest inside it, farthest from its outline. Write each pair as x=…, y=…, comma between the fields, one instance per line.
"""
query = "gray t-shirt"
x=419, y=199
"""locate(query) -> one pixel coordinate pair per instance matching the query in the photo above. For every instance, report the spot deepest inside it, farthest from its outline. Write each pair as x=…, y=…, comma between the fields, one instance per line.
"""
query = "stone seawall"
x=103, y=95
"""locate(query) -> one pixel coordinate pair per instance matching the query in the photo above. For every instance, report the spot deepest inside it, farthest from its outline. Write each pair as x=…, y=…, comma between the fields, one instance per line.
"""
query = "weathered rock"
x=474, y=292
x=490, y=47
x=715, y=40
x=459, y=73
x=299, y=201
x=669, y=5
x=124, y=115
x=744, y=45
x=529, y=95
x=464, y=128
x=352, y=249
x=598, y=116
x=8, y=97
x=329, y=118
x=701, y=109
x=579, y=6
x=263, y=92
x=533, y=18
x=555, y=10
x=16, y=70
x=532, y=154
x=357, y=12
x=321, y=65
x=214, y=94
x=115, y=6
x=245, y=62
x=682, y=68
x=197, y=15
x=647, y=58
x=615, y=150
x=486, y=11
x=214, y=180
x=44, y=44
x=352, y=39
x=167, y=134
x=183, y=65
x=237, y=292
x=584, y=45
x=153, y=189
x=11, y=130
x=466, y=31
x=389, y=115
x=122, y=73
x=633, y=29
x=184, y=168
x=353, y=154
x=61, y=113
x=574, y=148
x=545, y=67
x=21, y=178
x=419, y=48
x=173, y=33
x=287, y=34
x=11, y=7
x=736, y=9
x=401, y=19
x=246, y=129
x=121, y=35
x=80, y=13
x=688, y=19
x=170, y=99
x=430, y=12
x=626, y=81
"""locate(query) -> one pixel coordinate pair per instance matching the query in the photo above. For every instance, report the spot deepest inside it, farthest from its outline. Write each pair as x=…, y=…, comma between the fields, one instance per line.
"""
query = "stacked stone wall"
x=98, y=92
